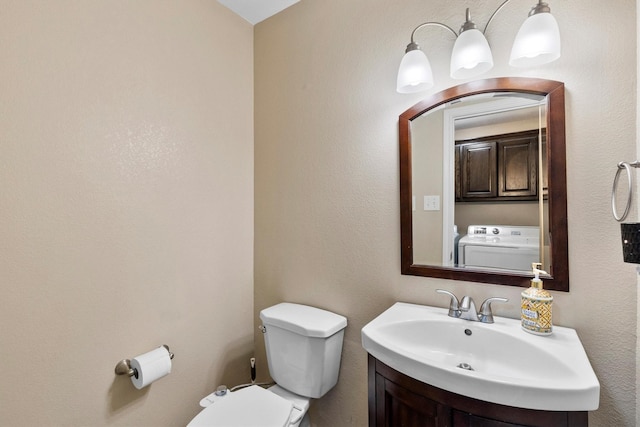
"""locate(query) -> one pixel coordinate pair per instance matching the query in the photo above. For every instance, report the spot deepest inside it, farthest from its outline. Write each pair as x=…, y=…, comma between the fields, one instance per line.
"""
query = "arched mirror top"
x=548, y=177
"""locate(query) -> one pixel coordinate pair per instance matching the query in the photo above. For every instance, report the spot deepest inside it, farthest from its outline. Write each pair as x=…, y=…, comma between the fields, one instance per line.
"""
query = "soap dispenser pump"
x=537, y=304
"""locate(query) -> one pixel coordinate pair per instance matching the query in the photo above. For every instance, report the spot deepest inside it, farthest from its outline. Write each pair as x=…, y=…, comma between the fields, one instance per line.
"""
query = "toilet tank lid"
x=303, y=319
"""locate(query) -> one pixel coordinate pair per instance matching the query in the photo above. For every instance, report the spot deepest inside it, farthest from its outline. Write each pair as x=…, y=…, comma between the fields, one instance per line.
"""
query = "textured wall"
x=126, y=209
x=326, y=206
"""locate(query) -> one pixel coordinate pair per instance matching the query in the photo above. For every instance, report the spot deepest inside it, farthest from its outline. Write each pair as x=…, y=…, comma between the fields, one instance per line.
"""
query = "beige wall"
x=126, y=208
x=326, y=206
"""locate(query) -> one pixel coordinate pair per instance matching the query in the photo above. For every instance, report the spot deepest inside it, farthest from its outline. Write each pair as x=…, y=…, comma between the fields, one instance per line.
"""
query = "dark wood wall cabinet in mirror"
x=540, y=174
x=498, y=167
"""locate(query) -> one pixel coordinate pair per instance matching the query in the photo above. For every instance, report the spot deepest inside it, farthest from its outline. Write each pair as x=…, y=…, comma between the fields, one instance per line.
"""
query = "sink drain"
x=465, y=366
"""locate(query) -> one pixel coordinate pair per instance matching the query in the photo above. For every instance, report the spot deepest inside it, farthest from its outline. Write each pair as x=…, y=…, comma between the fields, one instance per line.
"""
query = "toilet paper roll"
x=151, y=366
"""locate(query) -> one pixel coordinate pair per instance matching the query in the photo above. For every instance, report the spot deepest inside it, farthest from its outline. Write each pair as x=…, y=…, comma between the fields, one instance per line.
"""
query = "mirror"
x=488, y=158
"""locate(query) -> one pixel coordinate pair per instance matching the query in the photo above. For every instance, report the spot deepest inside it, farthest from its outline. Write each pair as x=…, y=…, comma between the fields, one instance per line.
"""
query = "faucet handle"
x=486, y=315
x=454, y=305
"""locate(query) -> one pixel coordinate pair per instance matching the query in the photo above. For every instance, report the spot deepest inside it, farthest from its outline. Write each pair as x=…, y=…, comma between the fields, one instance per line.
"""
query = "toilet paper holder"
x=123, y=367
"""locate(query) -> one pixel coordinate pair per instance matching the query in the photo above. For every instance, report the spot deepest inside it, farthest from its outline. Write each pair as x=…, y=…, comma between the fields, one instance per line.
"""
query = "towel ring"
x=627, y=167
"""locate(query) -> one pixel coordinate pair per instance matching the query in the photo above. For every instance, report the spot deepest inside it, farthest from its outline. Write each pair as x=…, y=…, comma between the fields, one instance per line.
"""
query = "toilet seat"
x=249, y=407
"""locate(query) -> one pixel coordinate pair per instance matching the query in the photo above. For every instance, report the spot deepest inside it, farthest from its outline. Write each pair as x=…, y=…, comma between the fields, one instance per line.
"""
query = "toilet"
x=303, y=346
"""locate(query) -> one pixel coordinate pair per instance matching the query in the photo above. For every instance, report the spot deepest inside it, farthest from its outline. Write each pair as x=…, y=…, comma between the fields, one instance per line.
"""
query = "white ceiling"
x=255, y=11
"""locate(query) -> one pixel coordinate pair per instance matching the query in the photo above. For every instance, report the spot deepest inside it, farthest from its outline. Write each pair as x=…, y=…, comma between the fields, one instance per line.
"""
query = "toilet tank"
x=304, y=346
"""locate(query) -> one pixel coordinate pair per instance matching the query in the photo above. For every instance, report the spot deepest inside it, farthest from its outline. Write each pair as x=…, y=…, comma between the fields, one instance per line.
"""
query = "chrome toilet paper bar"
x=626, y=166
x=123, y=367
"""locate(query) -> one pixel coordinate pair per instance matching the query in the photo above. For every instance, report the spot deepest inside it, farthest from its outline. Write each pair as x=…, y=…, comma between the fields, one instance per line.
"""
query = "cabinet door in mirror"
x=483, y=184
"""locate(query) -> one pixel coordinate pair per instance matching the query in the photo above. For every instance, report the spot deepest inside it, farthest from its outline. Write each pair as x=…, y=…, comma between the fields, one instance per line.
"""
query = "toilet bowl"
x=304, y=347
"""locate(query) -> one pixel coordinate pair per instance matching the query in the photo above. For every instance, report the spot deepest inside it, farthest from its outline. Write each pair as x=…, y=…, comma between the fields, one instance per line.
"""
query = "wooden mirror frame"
x=558, y=278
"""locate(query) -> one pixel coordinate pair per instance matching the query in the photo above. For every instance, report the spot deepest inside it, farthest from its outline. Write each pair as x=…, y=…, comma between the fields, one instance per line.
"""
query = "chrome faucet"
x=466, y=309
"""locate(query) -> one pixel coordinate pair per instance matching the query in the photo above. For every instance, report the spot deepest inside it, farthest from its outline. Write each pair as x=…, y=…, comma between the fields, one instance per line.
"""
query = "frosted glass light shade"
x=414, y=74
x=471, y=55
x=537, y=42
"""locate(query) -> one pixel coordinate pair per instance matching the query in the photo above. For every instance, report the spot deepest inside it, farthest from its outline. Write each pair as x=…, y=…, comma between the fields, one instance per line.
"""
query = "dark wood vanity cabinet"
x=396, y=400
x=500, y=167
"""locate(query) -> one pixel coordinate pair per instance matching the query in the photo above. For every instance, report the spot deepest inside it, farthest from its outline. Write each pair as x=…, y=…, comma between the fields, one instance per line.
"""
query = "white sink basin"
x=510, y=366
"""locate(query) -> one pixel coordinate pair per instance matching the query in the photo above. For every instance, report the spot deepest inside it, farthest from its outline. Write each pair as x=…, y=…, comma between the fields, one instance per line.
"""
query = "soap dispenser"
x=537, y=305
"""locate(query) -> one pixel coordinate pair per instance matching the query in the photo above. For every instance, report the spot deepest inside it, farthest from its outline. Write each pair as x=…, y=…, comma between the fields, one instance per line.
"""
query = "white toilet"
x=304, y=346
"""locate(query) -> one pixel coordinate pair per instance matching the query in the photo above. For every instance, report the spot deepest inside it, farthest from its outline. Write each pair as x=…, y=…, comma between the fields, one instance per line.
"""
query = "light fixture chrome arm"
x=468, y=23
x=494, y=14
x=541, y=7
x=438, y=24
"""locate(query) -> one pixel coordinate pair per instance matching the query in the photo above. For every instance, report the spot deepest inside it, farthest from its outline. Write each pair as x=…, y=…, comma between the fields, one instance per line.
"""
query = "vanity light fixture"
x=537, y=43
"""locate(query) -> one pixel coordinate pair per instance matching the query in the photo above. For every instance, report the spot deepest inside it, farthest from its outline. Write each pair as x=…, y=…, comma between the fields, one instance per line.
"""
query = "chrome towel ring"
x=627, y=167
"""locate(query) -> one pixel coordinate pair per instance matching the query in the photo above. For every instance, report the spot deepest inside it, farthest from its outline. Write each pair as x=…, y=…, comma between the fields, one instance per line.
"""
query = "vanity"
x=426, y=368
x=396, y=399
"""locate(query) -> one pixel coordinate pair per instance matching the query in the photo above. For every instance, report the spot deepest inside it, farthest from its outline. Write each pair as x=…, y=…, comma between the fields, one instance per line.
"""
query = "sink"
x=497, y=362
